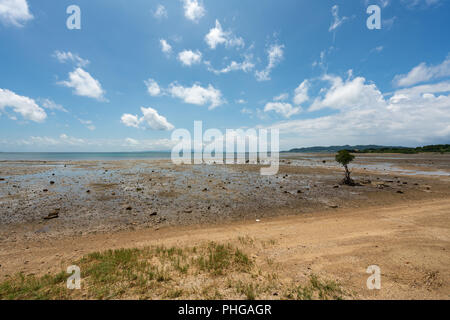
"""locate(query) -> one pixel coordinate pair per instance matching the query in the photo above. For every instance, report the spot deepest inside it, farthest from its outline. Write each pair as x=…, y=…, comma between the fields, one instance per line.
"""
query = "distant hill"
x=374, y=149
x=338, y=148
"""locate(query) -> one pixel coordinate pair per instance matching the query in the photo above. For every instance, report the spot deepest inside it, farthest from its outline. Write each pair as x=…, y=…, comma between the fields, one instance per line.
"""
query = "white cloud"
x=241, y=101
x=63, y=57
x=188, y=57
x=193, y=10
x=423, y=73
x=217, y=36
x=51, y=105
x=285, y=109
x=274, y=54
x=150, y=119
x=160, y=12
x=165, y=46
x=14, y=12
x=130, y=120
x=281, y=97
x=350, y=93
x=25, y=106
x=301, y=93
x=423, y=3
x=337, y=22
x=153, y=87
x=88, y=124
x=417, y=115
x=84, y=84
x=247, y=65
x=197, y=95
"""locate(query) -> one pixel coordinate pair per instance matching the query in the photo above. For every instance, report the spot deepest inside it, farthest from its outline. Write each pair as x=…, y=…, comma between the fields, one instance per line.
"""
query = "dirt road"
x=409, y=242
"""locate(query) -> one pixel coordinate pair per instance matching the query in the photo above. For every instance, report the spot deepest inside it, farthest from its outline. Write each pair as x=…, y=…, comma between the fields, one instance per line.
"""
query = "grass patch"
x=210, y=271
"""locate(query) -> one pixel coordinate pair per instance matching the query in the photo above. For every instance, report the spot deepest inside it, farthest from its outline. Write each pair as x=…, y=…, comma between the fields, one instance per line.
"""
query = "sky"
x=137, y=70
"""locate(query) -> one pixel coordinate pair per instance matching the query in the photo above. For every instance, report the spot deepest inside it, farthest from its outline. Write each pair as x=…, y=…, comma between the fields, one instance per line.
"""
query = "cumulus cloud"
x=68, y=56
x=193, y=10
x=337, y=22
x=416, y=115
x=189, y=57
x=153, y=87
x=25, y=106
x=160, y=12
x=14, y=12
x=197, y=95
x=165, y=46
x=150, y=119
x=217, y=36
x=285, y=109
x=275, y=54
x=423, y=73
x=282, y=97
x=84, y=84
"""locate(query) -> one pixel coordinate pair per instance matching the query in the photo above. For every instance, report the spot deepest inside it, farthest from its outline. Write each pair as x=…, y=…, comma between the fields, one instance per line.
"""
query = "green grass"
x=211, y=271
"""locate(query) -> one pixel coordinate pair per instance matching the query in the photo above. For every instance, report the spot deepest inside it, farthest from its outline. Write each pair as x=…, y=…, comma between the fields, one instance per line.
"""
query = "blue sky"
x=138, y=69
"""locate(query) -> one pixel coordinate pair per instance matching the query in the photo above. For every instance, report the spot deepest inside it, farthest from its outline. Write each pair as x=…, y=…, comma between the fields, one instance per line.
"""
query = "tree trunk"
x=347, y=179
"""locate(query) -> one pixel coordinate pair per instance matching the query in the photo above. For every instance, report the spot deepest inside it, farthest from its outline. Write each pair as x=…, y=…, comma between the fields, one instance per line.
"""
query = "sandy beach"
x=302, y=220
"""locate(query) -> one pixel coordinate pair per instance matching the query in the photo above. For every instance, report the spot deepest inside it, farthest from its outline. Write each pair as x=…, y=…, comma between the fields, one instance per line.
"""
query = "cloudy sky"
x=136, y=70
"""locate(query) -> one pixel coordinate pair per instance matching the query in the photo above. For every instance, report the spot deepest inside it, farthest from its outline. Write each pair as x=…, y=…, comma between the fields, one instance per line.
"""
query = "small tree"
x=344, y=157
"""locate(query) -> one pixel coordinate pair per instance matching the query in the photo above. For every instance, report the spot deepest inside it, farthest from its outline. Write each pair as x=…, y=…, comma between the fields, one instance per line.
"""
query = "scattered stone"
x=336, y=187
x=2, y=179
x=299, y=191
x=129, y=208
x=187, y=211
x=88, y=191
x=334, y=206
x=52, y=182
x=399, y=191
x=52, y=215
x=153, y=213
x=206, y=189
x=45, y=190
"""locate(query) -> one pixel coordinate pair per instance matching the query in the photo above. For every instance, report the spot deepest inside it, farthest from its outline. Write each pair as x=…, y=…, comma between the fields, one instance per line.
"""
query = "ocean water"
x=56, y=156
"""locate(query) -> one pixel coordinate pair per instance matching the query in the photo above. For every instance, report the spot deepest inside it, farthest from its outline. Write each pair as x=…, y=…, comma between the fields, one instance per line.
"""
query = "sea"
x=56, y=156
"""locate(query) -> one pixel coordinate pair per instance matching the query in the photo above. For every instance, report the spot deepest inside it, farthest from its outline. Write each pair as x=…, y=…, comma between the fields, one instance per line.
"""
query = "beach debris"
x=52, y=215
x=257, y=220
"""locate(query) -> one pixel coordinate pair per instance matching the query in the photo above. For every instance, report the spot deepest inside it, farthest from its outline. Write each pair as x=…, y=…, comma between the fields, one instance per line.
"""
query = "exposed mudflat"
x=47, y=199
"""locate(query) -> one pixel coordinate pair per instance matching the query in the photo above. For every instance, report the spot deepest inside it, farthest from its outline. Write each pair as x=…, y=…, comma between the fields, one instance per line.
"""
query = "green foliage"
x=344, y=157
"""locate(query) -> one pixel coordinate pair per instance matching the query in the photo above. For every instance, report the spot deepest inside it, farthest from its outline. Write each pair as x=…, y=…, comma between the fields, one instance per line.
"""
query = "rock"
x=88, y=191
x=299, y=191
x=45, y=190
x=2, y=179
x=399, y=191
x=206, y=189
x=336, y=187
x=52, y=215
x=187, y=211
x=129, y=208
x=334, y=206
x=52, y=182
x=153, y=213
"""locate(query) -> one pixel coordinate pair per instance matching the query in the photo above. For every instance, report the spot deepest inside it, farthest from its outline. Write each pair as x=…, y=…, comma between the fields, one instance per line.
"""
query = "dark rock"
x=52, y=215
x=45, y=190
x=399, y=191
x=129, y=208
x=88, y=191
x=153, y=213
x=52, y=182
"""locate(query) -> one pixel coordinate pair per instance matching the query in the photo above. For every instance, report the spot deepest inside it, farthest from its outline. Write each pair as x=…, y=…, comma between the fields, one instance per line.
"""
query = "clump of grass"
x=316, y=289
x=221, y=258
